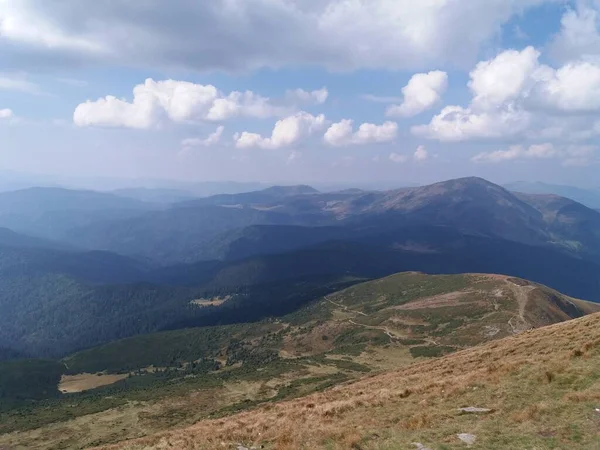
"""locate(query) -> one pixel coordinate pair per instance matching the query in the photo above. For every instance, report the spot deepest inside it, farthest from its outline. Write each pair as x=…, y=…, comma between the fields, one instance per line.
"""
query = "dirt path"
x=518, y=324
x=346, y=309
x=387, y=331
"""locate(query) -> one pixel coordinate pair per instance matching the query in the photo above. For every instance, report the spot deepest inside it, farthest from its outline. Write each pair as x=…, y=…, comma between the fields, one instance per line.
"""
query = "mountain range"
x=589, y=197
x=270, y=251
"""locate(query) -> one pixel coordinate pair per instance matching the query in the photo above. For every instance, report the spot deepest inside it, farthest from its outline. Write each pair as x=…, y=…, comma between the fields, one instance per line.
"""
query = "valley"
x=178, y=311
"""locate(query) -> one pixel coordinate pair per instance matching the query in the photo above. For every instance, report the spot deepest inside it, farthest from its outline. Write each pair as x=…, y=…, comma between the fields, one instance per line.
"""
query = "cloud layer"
x=249, y=34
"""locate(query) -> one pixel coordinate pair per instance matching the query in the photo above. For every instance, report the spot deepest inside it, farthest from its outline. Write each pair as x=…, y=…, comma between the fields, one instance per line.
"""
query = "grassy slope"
x=543, y=387
x=373, y=326
x=409, y=309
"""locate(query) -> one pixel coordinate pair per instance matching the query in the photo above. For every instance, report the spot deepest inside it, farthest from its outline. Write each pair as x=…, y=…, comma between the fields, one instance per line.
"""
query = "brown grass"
x=419, y=403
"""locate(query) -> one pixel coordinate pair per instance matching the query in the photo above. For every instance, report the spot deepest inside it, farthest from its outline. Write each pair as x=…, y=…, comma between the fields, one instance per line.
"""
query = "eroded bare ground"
x=436, y=301
x=70, y=384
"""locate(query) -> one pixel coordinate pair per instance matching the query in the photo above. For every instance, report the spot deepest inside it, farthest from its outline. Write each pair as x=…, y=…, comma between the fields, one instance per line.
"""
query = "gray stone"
x=474, y=410
x=420, y=446
x=467, y=438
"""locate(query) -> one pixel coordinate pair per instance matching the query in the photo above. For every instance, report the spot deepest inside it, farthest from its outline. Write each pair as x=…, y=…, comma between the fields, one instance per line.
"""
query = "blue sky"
x=289, y=91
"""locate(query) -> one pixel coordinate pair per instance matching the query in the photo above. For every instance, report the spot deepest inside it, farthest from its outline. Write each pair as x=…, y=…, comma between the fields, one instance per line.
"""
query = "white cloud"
x=574, y=87
x=339, y=133
x=242, y=35
x=287, y=132
x=579, y=37
x=212, y=139
x=421, y=154
x=455, y=124
x=397, y=158
x=155, y=102
x=503, y=78
x=536, y=151
x=423, y=91
x=342, y=133
x=317, y=97
x=513, y=92
x=6, y=113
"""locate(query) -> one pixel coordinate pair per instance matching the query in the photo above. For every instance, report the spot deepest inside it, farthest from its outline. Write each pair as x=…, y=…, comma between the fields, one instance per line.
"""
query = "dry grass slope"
x=542, y=385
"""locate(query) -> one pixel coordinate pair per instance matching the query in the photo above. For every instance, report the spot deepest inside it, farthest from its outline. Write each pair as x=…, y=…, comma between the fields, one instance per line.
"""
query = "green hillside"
x=178, y=377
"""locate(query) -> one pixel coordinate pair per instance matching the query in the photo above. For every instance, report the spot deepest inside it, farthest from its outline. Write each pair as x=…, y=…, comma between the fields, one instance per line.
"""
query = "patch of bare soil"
x=437, y=301
x=215, y=301
x=70, y=384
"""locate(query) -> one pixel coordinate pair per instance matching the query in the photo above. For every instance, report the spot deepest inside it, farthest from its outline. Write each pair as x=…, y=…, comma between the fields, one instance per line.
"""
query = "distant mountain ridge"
x=188, y=231
x=52, y=212
x=588, y=197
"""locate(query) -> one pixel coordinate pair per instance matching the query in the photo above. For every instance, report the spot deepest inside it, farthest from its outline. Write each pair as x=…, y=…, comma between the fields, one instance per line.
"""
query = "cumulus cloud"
x=178, y=101
x=513, y=91
x=574, y=87
x=503, y=78
x=421, y=154
x=287, y=132
x=570, y=155
x=317, y=97
x=6, y=113
x=579, y=37
x=423, y=91
x=455, y=124
x=397, y=158
x=245, y=35
x=342, y=133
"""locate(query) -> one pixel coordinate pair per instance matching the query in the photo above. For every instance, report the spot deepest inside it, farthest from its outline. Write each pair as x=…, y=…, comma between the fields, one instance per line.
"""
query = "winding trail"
x=387, y=331
x=346, y=309
x=522, y=295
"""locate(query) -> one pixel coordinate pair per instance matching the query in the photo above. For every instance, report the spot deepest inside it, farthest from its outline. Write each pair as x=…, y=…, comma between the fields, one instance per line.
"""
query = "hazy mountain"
x=264, y=197
x=588, y=197
x=39, y=200
x=202, y=229
x=52, y=212
x=568, y=223
x=9, y=238
x=175, y=235
x=155, y=195
x=281, y=249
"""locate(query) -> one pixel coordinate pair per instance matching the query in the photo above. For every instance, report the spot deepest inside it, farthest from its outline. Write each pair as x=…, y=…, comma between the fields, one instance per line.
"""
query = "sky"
x=313, y=91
